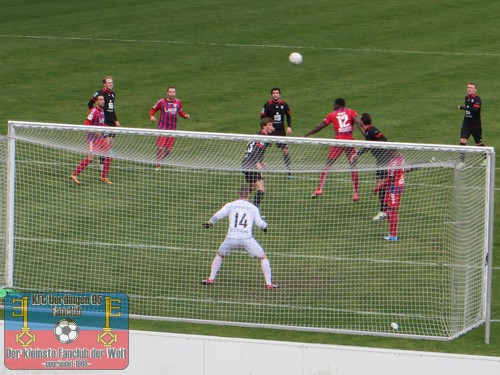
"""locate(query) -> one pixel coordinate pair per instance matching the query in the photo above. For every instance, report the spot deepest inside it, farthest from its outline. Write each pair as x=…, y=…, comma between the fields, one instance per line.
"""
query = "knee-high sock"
x=216, y=263
x=105, y=169
x=161, y=153
x=266, y=270
x=381, y=197
x=393, y=218
x=258, y=198
x=322, y=180
x=355, y=180
x=81, y=166
x=288, y=161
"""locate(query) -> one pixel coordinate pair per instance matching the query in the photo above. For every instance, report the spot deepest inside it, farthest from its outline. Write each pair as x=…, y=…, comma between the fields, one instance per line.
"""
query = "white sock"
x=217, y=262
x=266, y=270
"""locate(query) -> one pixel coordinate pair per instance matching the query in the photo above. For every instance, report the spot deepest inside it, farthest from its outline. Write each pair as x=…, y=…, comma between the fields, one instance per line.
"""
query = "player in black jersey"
x=253, y=162
x=472, y=118
x=277, y=109
x=109, y=108
x=382, y=159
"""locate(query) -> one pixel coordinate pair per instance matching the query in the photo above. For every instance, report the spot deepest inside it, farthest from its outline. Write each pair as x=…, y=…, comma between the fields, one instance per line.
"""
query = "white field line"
x=278, y=255
x=237, y=45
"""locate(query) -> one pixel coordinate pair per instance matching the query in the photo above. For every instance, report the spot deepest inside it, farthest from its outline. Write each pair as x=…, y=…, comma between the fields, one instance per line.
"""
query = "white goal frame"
x=15, y=136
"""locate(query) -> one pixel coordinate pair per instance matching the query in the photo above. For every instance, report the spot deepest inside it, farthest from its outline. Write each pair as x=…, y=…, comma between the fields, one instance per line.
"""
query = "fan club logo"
x=66, y=331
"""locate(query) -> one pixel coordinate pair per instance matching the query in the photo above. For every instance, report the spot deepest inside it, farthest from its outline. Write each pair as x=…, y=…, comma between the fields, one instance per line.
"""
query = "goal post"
x=142, y=235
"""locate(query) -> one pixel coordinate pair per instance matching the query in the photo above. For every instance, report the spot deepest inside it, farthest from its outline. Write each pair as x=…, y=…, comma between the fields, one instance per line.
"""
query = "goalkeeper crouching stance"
x=242, y=215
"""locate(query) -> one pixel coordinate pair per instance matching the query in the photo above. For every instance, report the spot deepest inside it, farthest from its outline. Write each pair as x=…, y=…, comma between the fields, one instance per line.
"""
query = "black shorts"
x=252, y=177
x=280, y=133
x=110, y=135
x=381, y=174
x=475, y=130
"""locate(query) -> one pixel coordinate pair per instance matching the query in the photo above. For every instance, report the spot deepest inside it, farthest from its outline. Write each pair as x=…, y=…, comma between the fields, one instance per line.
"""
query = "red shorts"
x=336, y=151
x=393, y=197
x=165, y=142
x=98, y=146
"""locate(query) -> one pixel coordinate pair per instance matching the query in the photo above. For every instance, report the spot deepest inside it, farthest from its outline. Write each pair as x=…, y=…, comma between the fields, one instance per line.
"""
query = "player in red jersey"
x=394, y=185
x=170, y=108
x=96, y=143
x=343, y=120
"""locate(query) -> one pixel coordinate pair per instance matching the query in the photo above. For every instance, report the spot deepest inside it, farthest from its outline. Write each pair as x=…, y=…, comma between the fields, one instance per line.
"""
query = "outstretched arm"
x=316, y=129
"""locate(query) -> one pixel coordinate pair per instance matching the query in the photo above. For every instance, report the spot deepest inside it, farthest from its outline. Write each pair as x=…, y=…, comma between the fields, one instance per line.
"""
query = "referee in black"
x=278, y=110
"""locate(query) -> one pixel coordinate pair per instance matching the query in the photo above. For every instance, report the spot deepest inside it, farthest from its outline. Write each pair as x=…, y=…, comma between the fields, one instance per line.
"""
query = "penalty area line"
x=267, y=46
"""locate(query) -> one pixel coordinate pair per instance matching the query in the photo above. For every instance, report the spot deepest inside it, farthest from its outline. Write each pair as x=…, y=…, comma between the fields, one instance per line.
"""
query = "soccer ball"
x=66, y=331
x=295, y=58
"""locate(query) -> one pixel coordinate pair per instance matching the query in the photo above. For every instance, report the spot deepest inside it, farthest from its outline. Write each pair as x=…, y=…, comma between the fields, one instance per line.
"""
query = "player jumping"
x=343, y=120
x=242, y=216
x=253, y=161
x=382, y=158
x=277, y=109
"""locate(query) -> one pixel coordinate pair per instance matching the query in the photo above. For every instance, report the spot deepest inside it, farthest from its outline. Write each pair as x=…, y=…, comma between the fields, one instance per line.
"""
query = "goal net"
x=142, y=235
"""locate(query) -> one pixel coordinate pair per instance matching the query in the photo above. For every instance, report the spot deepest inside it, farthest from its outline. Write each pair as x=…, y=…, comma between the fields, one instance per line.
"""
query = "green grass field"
x=407, y=64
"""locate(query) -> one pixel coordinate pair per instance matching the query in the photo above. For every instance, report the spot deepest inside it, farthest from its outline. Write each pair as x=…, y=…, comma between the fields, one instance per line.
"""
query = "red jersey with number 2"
x=343, y=122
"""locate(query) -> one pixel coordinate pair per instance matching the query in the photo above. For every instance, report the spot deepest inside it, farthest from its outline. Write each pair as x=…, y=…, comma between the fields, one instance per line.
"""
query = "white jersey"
x=242, y=216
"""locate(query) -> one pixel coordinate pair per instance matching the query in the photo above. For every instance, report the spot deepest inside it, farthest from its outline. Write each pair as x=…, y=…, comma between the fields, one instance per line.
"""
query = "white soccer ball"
x=295, y=58
x=394, y=325
x=66, y=331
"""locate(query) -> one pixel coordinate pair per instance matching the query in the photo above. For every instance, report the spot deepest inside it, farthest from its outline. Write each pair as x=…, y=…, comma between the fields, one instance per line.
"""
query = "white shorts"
x=249, y=244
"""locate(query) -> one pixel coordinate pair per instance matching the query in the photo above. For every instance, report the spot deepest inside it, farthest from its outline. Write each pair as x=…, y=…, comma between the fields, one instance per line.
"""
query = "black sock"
x=462, y=155
x=288, y=162
x=258, y=198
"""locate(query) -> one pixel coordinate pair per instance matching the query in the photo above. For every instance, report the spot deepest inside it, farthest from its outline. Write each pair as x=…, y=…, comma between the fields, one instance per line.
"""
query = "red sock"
x=105, y=169
x=322, y=180
x=355, y=180
x=81, y=166
x=160, y=155
x=393, y=218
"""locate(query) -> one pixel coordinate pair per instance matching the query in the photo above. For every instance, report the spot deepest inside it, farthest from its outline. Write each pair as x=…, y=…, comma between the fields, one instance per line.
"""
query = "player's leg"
x=465, y=133
x=103, y=148
x=286, y=157
x=224, y=249
x=381, y=174
x=83, y=163
x=333, y=155
x=259, y=186
x=352, y=157
x=254, y=248
x=394, y=198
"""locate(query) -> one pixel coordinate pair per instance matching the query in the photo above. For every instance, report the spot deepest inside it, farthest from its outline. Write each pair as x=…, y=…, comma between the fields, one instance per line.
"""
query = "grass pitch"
x=406, y=63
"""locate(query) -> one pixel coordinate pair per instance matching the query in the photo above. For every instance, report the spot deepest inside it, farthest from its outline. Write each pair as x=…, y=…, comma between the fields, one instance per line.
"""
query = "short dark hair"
x=366, y=119
x=265, y=121
x=276, y=89
x=340, y=102
x=245, y=190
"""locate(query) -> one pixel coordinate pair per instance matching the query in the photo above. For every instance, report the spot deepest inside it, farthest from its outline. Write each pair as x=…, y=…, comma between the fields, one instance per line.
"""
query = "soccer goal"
x=142, y=235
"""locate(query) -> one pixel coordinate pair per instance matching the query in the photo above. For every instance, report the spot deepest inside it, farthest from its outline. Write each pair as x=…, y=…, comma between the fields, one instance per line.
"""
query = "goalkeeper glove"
x=264, y=230
x=207, y=225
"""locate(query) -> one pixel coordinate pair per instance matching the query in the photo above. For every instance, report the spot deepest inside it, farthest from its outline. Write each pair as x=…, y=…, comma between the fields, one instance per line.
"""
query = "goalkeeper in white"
x=242, y=215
